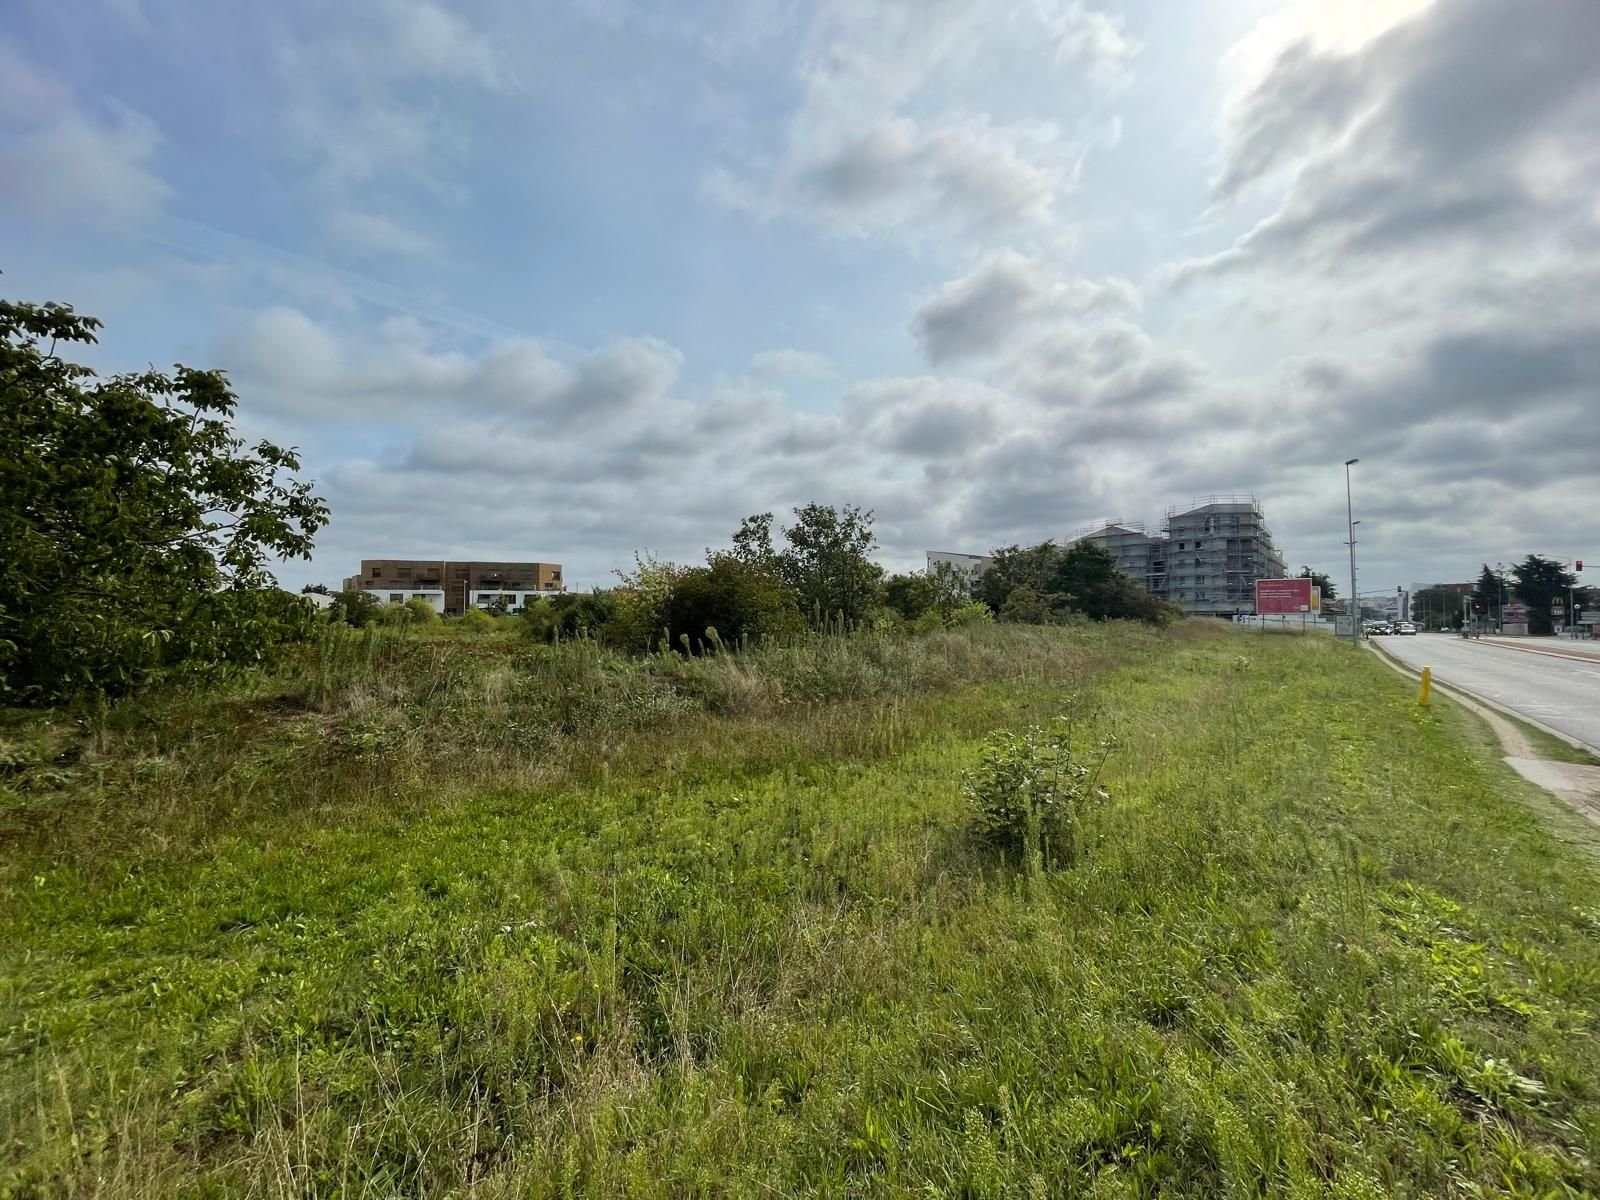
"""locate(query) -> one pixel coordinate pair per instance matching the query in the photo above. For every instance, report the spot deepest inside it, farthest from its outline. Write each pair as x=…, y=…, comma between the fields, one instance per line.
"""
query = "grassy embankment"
x=453, y=917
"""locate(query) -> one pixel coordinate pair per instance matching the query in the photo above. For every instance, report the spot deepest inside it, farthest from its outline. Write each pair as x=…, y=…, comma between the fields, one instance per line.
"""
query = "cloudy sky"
x=567, y=280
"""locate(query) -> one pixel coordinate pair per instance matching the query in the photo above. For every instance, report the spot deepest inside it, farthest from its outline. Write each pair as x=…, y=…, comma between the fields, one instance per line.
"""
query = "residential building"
x=1216, y=550
x=972, y=566
x=451, y=587
x=1206, y=559
x=1140, y=554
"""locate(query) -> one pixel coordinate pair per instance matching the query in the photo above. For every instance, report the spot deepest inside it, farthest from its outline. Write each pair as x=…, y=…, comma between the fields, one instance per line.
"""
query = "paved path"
x=1554, y=688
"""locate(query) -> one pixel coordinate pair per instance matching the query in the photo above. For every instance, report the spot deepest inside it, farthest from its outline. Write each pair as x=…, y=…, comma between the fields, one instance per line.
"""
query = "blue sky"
x=567, y=281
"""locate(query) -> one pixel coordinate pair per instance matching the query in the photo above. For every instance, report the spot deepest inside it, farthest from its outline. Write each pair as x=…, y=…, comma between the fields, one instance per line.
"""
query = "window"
x=396, y=598
x=377, y=572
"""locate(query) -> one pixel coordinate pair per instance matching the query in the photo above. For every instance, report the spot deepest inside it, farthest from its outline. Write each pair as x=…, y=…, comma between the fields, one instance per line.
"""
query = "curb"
x=1457, y=691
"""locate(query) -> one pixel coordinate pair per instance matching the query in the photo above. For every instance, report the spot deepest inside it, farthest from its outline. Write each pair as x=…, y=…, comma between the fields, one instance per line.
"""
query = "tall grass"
x=445, y=917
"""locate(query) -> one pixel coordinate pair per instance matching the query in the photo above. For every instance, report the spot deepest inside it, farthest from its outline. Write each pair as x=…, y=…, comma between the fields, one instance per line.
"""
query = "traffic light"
x=1580, y=564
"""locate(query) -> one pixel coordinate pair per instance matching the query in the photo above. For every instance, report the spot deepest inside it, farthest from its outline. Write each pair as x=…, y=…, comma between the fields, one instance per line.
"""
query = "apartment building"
x=1140, y=554
x=453, y=587
x=1206, y=559
x=971, y=565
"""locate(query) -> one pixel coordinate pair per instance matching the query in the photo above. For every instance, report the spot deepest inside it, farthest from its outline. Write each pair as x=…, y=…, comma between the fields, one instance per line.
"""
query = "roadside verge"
x=1576, y=784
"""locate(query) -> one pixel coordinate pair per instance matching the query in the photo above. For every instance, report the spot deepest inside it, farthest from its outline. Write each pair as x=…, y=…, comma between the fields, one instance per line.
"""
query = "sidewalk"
x=1587, y=647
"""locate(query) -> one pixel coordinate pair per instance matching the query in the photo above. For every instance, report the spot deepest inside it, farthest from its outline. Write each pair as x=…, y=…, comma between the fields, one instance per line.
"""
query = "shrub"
x=475, y=620
x=355, y=608
x=1028, y=794
x=728, y=602
x=569, y=615
x=419, y=612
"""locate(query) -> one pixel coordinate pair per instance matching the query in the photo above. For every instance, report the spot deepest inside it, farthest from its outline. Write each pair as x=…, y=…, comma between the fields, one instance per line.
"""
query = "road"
x=1558, y=686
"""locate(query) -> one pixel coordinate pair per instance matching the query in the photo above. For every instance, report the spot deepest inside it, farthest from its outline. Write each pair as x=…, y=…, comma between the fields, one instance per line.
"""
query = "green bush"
x=569, y=615
x=1028, y=794
x=355, y=608
x=475, y=620
x=419, y=612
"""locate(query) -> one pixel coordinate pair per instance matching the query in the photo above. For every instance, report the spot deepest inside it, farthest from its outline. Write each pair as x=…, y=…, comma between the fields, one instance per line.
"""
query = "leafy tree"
x=1080, y=578
x=1490, y=591
x=943, y=588
x=355, y=608
x=315, y=589
x=1319, y=580
x=640, y=603
x=911, y=594
x=135, y=525
x=1033, y=567
x=1539, y=582
x=752, y=543
x=828, y=562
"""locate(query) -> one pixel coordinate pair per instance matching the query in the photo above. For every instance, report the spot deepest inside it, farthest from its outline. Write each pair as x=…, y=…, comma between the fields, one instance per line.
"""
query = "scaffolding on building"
x=1206, y=557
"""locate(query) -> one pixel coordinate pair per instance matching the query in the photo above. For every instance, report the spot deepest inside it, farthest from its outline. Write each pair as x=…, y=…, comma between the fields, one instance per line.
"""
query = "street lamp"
x=1349, y=516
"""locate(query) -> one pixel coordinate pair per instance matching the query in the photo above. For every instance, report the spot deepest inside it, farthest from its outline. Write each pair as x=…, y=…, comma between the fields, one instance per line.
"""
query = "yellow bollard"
x=1426, y=688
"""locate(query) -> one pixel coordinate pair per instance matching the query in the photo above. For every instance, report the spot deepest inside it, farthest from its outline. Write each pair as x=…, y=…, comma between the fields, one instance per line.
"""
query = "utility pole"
x=1349, y=517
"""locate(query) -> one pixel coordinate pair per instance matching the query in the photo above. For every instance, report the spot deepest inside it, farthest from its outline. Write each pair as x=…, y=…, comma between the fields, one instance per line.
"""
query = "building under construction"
x=1206, y=558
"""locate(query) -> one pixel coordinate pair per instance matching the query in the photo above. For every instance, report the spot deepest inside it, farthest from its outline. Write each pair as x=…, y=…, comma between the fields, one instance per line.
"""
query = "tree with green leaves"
x=1539, y=582
x=1032, y=567
x=1080, y=578
x=355, y=608
x=135, y=525
x=1319, y=580
x=827, y=560
x=1490, y=591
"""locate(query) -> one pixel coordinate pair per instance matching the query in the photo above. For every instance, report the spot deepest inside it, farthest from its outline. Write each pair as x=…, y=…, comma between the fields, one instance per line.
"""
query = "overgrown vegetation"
x=1047, y=583
x=435, y=915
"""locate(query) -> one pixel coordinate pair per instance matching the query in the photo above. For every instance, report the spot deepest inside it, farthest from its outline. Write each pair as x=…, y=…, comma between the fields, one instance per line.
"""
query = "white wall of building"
x=507, y=600
x=973, y=564
x=400, y=595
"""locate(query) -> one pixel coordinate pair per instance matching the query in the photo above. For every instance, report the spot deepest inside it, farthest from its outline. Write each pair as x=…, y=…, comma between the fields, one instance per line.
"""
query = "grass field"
x=429, y=917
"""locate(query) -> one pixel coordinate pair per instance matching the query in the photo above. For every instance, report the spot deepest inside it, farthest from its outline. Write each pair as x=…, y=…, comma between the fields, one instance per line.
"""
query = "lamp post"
x=1349, y=516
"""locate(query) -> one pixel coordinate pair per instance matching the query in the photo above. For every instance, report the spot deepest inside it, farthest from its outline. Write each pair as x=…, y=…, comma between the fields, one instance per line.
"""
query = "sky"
x=571, y=281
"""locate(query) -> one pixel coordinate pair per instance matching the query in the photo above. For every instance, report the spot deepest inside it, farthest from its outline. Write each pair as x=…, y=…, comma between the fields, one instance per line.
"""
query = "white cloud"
x=291, y=364
x=363, y=86
x=789, y=363
x=65, y=164
x=424, y=39
x=1006, y=297
x=376, y=234
x=894, y=132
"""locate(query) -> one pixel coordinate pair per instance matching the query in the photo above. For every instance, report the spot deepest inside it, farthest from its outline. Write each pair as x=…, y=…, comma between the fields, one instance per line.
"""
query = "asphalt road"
x=1563, y=693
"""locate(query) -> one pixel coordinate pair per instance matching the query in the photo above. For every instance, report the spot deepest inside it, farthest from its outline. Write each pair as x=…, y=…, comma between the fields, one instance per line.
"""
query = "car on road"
x=1406, y=628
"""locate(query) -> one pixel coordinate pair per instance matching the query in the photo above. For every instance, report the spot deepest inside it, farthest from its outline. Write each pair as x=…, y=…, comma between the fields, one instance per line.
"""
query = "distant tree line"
x=135, y=529
x=822, y=578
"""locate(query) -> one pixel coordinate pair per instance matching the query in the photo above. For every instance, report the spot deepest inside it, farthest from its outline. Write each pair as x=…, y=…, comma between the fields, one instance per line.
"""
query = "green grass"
x=1553, y=748
x=435, y=918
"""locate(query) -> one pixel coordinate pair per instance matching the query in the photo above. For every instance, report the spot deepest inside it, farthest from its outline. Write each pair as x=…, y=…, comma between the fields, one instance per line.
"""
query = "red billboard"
x=1285, y=596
